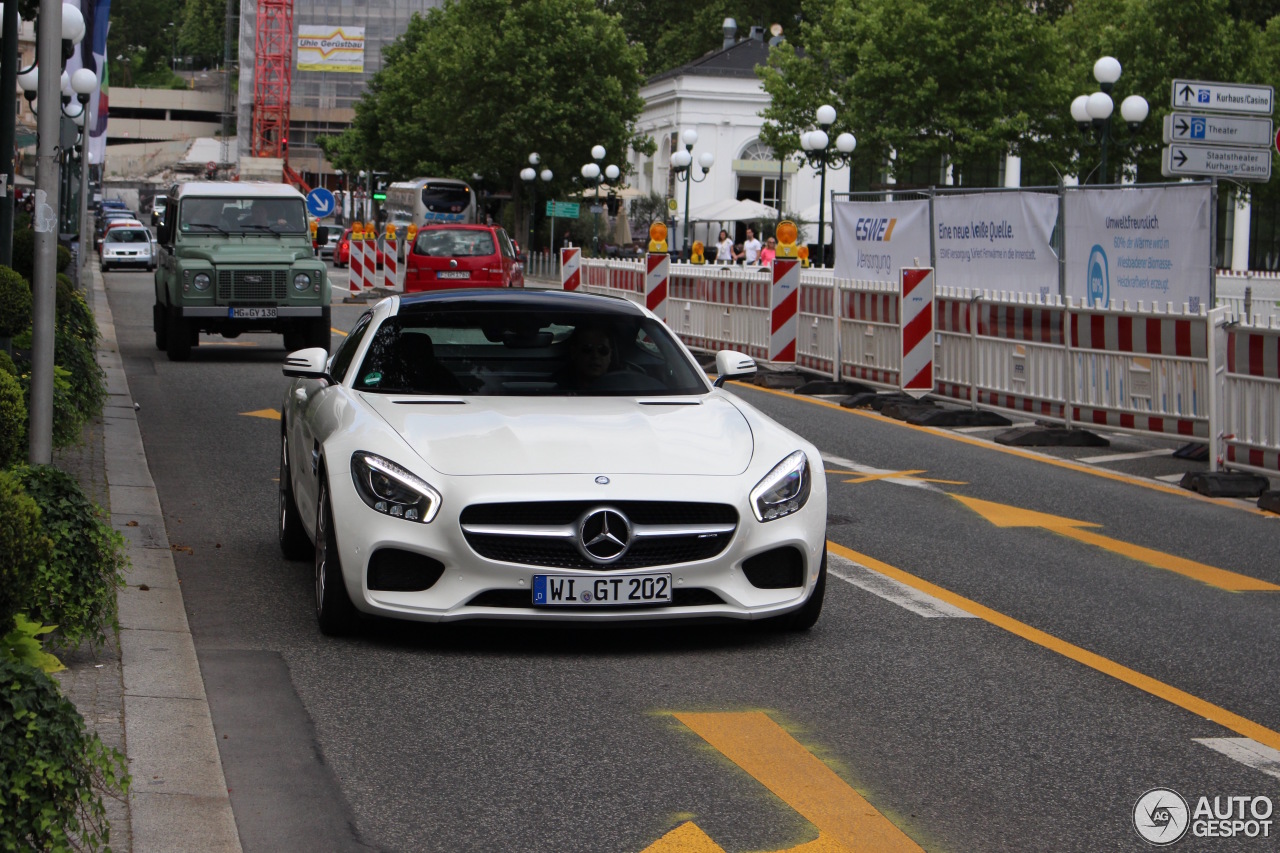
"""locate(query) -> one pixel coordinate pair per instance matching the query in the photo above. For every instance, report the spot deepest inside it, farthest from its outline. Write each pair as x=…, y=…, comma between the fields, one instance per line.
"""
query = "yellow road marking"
x=1013, y=451
x=1133, y=678
x=1002, y=515
x=338, y=332
x=846, y=822
x=266, y=414
x=859, y=477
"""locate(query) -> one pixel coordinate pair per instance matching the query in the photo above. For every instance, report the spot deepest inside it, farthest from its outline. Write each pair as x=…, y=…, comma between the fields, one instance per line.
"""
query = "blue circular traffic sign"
x=320, y=203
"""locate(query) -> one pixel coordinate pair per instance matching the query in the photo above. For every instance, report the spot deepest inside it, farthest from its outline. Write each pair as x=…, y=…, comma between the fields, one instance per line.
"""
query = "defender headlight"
x=202, y=281
x=783, y=490
x=301, y=281
x=391, y=490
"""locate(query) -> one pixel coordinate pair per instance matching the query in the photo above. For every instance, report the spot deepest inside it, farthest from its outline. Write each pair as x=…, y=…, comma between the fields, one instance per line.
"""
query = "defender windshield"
x=243, y=216
x=499, y=353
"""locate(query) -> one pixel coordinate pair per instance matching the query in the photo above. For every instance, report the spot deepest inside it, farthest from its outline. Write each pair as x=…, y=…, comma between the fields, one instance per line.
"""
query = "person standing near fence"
x=751, y=248
x=768, y=253
x=724, y=248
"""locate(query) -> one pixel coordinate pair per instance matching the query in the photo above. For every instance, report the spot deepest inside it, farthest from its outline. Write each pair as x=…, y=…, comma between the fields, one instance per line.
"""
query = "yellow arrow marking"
x=266, y=414
x=1011, y=516
x=1236, y=723
x=846, y=822
x=859, y=477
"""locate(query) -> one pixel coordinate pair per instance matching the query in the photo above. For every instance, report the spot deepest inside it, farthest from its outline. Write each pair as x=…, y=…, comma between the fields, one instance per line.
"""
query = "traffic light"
x=612, y=203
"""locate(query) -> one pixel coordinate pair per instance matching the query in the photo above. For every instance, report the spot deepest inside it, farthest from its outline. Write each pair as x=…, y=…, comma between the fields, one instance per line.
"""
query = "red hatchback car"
x=342, y=251
x=448, y=256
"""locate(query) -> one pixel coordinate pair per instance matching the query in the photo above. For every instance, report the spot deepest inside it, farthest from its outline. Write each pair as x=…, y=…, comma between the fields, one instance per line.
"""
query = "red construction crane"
x=272, y=84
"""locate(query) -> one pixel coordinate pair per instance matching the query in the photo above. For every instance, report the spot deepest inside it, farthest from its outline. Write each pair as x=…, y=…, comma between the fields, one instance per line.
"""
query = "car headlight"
x=202, y=281
x=391, y=490
x=301, y=281
x=783, y=490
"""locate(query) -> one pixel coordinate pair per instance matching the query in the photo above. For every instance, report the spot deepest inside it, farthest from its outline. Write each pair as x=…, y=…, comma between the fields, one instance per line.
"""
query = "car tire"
x=160, y=321
x=320, y=333
x=334, y=610
x=294, y=543
x=295, y=338
x=106, y=267
x=178, y=338
x=807, y=616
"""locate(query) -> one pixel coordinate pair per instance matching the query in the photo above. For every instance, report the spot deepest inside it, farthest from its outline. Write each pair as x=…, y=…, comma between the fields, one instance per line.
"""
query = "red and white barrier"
x=657, y=273
x=916, y=312
x=1251, y=399
x=784, y=305
x=390, y=272
x=370, y=261
x=355, y=263
x=571, y=268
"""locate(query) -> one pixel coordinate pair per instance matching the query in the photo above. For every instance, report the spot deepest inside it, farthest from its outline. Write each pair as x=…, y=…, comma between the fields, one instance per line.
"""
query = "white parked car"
x=521, y=455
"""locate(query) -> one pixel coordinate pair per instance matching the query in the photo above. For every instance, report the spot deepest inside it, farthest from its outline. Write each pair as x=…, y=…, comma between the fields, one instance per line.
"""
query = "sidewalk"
x=144, y=695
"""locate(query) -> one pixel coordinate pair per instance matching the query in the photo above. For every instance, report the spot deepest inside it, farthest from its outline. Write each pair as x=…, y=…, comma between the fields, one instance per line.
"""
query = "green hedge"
x=13, y=418
x=75, y=587
x=24, y=547
x=15, y=303
x=52, y=771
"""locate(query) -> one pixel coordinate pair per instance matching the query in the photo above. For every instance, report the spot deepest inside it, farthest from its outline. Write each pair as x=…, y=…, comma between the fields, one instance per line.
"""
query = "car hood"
x=485, y=436
x=256, y=250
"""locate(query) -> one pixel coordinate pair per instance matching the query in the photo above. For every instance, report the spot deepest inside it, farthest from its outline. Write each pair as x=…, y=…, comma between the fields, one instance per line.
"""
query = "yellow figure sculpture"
x=697, y=256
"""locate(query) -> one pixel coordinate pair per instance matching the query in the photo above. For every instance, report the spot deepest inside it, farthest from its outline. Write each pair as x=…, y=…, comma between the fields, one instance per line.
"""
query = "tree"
x=203, y=28
x=674, y=32
x=475, y=86
x=141, y=39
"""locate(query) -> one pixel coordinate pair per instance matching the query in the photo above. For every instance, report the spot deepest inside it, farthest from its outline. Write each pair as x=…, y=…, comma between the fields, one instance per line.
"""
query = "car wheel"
x=178, y=338
x=294, y=543
x=334, y=610
x=159, y=319
x=106, y=267
x=807, y=616
x=295, y=339
x=319, y=333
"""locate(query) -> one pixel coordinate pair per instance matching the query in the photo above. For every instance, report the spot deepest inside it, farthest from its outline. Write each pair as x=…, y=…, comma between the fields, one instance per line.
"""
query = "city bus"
x=430, y=201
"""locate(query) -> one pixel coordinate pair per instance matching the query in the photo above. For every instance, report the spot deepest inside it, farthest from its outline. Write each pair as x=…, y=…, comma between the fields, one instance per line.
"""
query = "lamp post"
x=1093, y=112
x=681, y=164
x=817, y=155
x=62, y=28
x=83, y=82
x=530, y=176
x=591, y=172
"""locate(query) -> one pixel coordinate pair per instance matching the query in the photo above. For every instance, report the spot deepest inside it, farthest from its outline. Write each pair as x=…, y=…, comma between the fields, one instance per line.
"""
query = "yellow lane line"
x=266, y=414
x=860, y=477
x=844, y=819
x=1003, y=515
x=1133, y=678
x=1013, y=451
x=338, y=332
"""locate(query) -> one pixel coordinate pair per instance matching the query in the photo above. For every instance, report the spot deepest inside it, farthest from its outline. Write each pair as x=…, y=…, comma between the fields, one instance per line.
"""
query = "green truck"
x=235, y=257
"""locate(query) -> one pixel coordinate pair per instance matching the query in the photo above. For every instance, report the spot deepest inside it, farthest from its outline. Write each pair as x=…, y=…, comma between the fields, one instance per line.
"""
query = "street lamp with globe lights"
x=83, y=82
x=681, y=163
x=1093, y=112
x=530, y=176
x=818, y=156
x=63, y=30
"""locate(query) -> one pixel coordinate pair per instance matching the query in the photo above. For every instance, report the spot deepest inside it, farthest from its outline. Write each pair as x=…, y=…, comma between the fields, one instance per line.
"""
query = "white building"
x=719, y=96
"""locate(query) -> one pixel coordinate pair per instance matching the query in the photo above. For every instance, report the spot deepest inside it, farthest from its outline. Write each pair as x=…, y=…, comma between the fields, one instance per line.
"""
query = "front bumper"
x=474, y=587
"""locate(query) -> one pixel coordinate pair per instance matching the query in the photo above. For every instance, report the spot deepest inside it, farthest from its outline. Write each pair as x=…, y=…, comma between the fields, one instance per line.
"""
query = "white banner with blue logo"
x=876, y=239
x=1147, y=244
x=996, y=241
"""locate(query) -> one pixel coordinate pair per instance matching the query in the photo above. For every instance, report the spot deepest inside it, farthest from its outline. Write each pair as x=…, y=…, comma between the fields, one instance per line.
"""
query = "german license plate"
x=253, y=313
x=553, y=590
x=453, y=274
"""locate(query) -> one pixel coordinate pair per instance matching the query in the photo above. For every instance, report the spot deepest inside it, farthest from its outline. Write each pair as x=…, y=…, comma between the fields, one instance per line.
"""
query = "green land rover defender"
x=237, y=256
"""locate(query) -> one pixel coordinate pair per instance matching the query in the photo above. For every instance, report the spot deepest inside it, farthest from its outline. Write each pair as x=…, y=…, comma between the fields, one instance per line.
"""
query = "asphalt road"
x=1053, y=675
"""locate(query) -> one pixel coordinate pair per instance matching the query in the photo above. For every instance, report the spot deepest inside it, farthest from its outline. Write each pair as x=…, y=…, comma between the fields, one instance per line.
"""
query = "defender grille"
x=547, y=535
x=249, y=286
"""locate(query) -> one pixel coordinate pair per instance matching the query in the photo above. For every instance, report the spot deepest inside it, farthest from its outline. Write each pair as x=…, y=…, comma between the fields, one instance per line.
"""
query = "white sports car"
x=518, y=455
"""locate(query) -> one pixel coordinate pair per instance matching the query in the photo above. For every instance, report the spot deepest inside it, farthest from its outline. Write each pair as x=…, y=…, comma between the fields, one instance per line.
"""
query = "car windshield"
x=527, y=353
x=455, y=243
x=128, y=235
x=243, y=215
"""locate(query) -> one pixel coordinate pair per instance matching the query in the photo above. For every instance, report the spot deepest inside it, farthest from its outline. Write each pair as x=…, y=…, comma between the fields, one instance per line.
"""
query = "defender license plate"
x=552, y=590
x=253, y=313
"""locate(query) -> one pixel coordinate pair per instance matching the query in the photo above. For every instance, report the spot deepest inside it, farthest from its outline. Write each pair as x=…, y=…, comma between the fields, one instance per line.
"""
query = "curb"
x=178, y=799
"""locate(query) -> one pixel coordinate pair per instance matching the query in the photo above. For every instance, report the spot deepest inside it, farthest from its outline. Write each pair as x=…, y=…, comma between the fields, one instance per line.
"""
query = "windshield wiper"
x=260, y=227
x=206, y=225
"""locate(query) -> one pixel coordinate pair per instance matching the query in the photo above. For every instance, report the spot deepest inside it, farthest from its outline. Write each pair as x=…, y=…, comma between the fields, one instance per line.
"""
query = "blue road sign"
x=320, y=203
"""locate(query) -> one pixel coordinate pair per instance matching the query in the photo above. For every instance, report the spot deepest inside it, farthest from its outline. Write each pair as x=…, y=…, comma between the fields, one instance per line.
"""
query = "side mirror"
x=322, y=235
x=310, y=363
x=733, y=365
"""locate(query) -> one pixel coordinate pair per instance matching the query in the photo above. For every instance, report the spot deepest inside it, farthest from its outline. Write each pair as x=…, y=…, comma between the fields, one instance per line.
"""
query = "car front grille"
x=249, y=286
x=512, y=599
x=546, y=535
